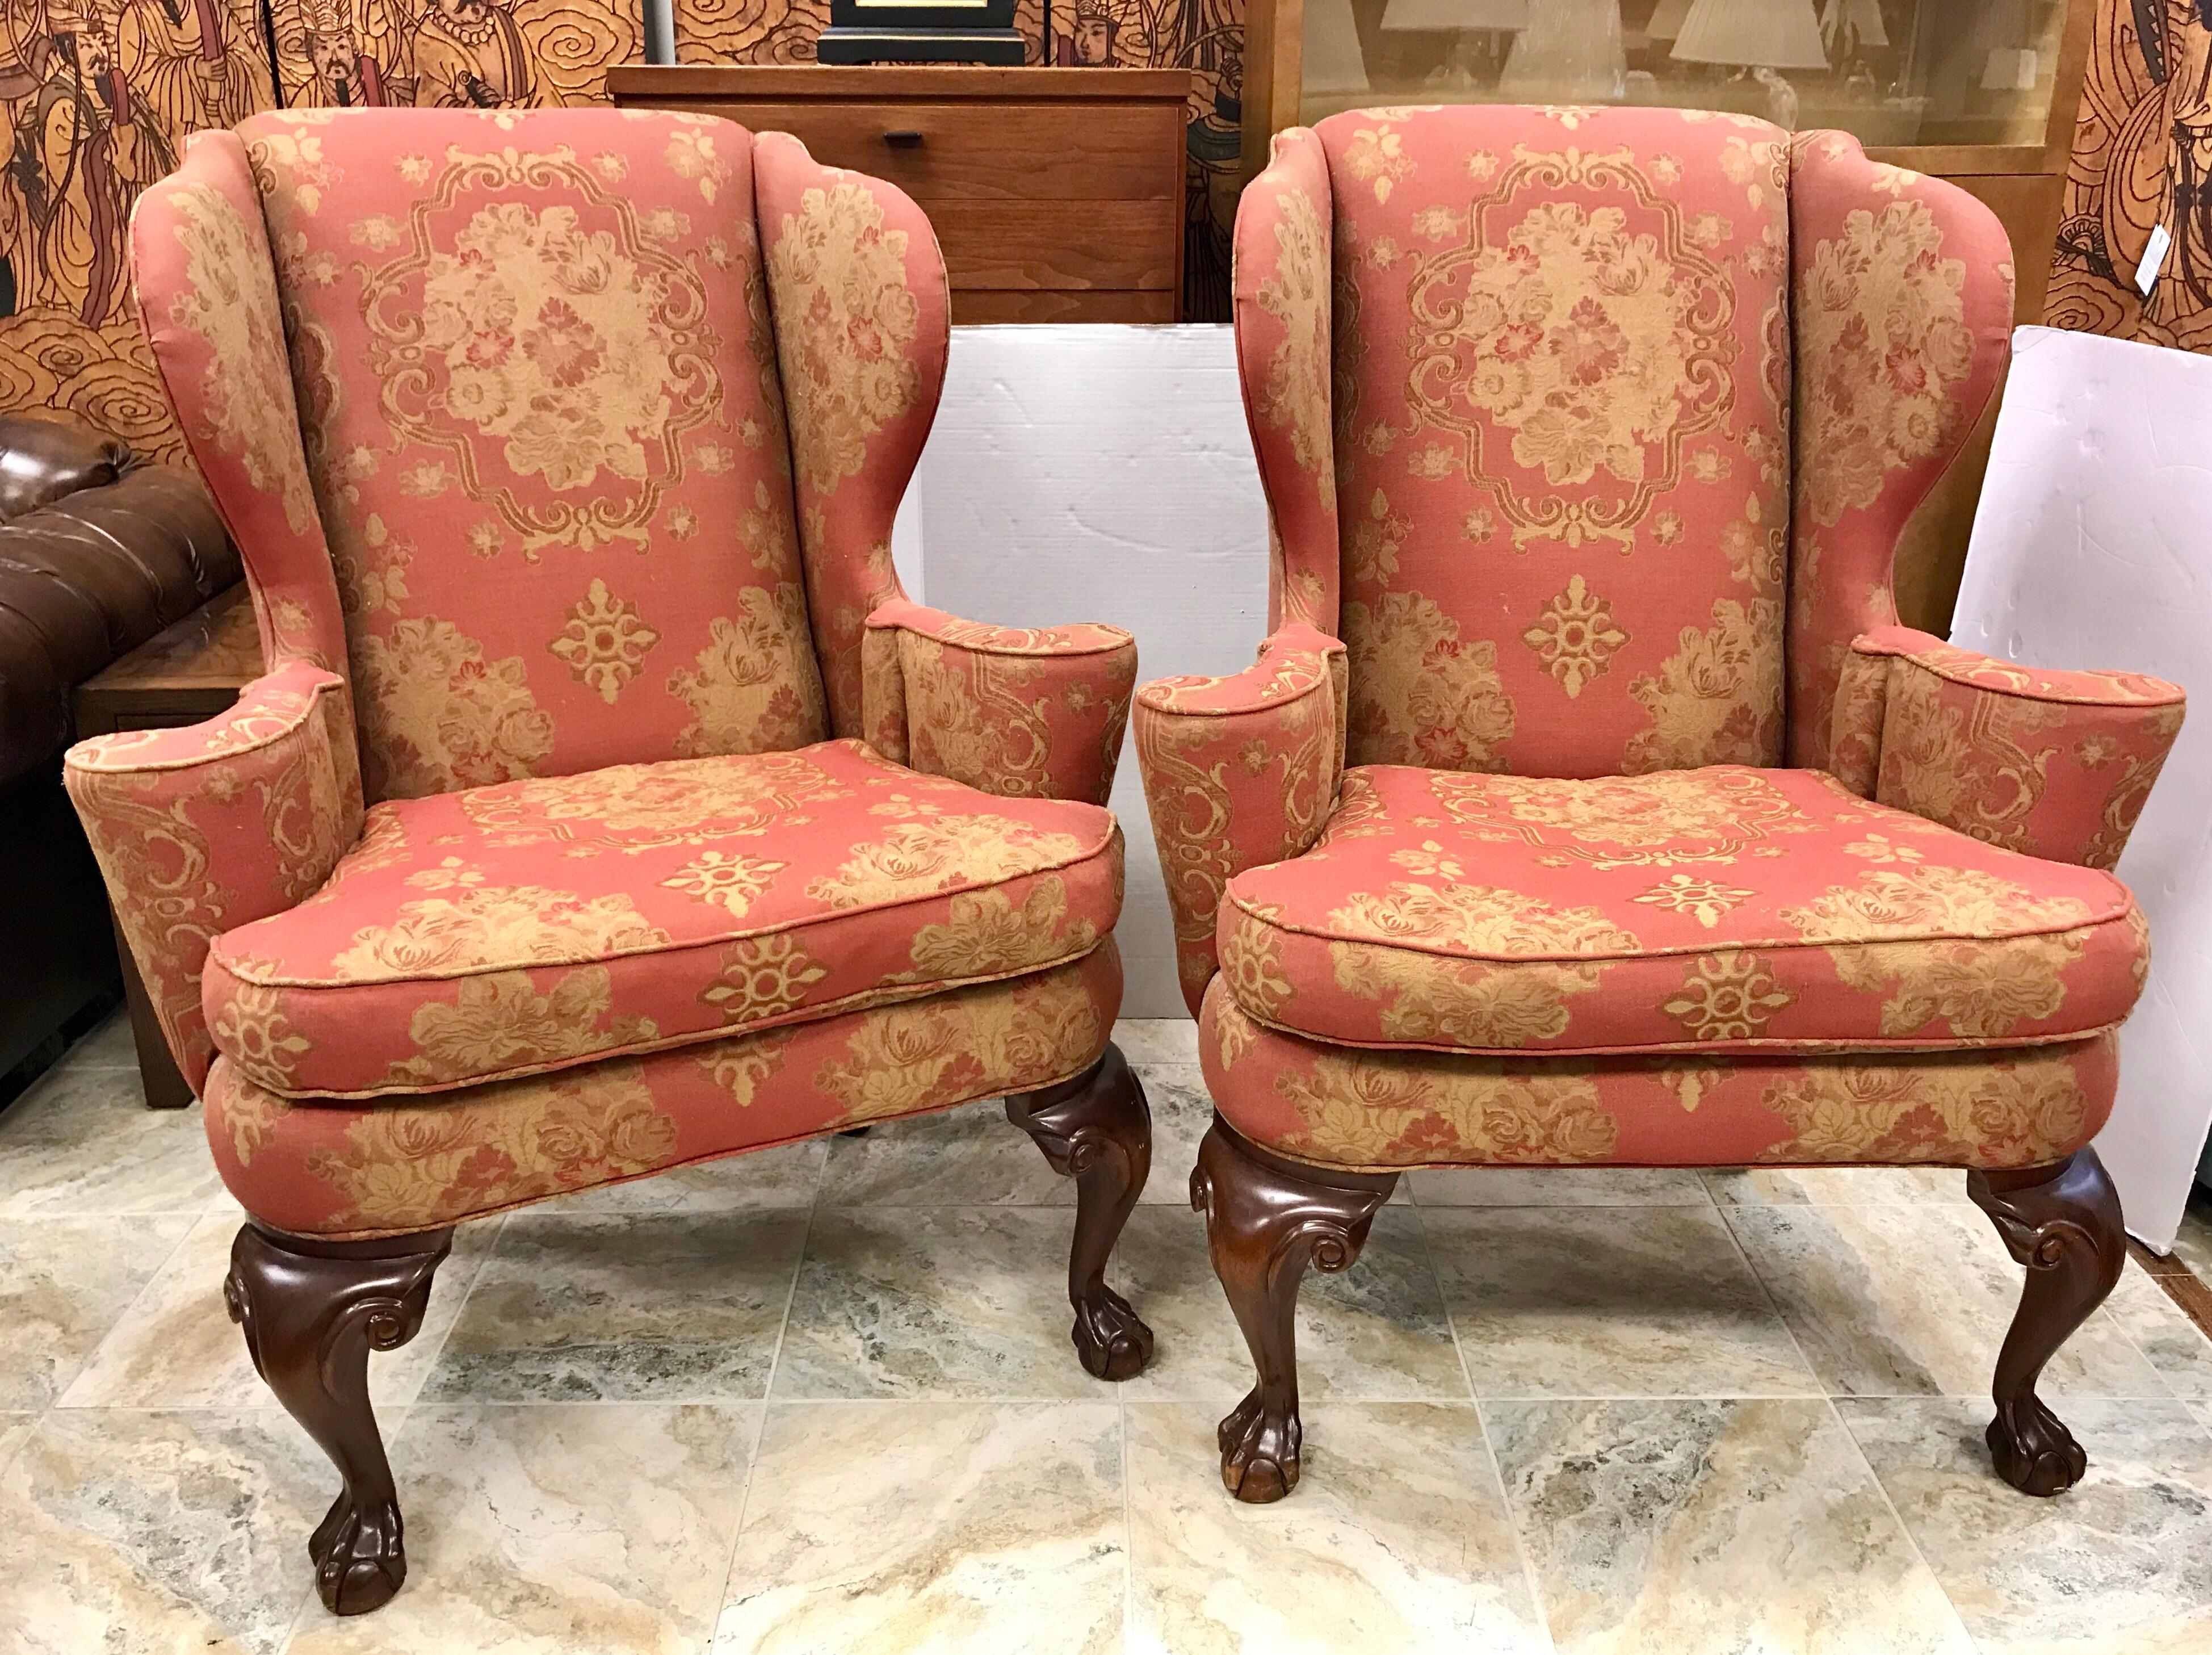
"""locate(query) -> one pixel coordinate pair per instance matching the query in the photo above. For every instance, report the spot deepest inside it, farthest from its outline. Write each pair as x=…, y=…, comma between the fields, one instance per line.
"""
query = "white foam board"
x=2092, y=548
x=1099, y=473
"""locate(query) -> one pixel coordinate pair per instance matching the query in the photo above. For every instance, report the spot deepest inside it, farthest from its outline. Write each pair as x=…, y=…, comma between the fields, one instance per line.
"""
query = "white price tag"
x=2154, y=260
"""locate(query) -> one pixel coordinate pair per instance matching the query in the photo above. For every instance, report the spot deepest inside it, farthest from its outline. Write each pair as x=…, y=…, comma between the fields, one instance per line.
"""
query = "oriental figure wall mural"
x=98, y=97
x=2143, y=157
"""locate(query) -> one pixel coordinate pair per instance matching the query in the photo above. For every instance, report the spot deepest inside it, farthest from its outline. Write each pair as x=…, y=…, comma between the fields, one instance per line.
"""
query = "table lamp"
x=1763, y=37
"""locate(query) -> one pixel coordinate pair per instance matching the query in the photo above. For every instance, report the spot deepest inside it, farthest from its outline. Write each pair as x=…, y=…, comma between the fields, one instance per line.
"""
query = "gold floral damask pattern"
x=1387, y=1110
x=1238, y=771
x=509, y=930
x=1901, y=325
x=2055, y=764
x=847, y=359
x=861, y=319
x=199, y=829
x=1296, y=294
x=1560, y=436
x=1881, y=308
x=1026, y=712
x=1688, y=909
x=411, y=1163
x=532, y=347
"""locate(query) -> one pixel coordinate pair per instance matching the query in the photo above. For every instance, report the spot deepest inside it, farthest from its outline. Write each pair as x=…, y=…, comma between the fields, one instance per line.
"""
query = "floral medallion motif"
x=605, y=643
x=555, y=350
x=1595, y=340
x=1576, y=636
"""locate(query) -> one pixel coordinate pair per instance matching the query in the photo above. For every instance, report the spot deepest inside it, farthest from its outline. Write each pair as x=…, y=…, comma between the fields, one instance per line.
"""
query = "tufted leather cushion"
x=98, y=553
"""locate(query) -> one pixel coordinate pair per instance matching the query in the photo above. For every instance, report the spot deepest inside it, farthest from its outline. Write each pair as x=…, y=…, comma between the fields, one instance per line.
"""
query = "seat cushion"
x=1720, y=909
x=407, y=1163
x=510, y=930
x=1383, y=1110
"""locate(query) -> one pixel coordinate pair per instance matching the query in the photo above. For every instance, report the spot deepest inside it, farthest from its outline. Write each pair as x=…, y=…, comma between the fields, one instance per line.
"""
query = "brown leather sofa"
x=99, y=551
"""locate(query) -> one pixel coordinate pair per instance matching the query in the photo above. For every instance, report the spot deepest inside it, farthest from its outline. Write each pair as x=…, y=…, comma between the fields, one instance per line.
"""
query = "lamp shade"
x=1860, y=20
x=1666, y=23
x=1762, y=34
x=1453, y=16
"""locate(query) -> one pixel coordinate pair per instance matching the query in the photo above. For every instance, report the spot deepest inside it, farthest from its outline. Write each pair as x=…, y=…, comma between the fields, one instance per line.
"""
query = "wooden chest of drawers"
x=1057, y=194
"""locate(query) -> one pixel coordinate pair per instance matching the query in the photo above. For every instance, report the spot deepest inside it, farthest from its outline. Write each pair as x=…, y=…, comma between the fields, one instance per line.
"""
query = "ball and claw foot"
x=2032, y=1451
x=360, y=1560
x=1258, y=1450
x=1111, y=1341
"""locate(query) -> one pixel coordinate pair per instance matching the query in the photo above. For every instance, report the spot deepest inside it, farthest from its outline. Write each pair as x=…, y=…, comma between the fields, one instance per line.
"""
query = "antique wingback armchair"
x=605, y=807
x=1587, y=805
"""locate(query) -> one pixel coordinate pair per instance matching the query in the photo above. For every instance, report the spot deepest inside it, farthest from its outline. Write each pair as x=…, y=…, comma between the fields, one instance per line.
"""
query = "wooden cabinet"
x=1057, y=194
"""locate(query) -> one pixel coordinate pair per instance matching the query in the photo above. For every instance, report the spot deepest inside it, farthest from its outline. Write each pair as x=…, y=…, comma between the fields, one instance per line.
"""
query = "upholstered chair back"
x=1557, y=407
x=571, y=438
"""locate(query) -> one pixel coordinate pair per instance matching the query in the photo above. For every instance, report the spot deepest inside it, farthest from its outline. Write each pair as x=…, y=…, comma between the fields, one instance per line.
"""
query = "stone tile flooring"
x=821, y=1400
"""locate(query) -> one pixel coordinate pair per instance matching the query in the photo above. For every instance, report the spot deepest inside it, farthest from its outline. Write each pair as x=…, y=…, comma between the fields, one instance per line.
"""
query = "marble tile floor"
x=821, y=1400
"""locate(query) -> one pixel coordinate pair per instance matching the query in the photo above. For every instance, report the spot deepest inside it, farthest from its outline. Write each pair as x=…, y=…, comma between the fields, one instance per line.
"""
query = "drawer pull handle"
x=901, y=139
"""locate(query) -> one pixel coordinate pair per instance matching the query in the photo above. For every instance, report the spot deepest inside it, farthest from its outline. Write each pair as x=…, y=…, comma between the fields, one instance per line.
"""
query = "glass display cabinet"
x=1982, y=92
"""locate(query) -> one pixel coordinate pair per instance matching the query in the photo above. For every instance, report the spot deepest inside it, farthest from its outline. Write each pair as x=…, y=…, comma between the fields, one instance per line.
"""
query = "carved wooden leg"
x=1267, y=1219
x=1097, y=1130
x=2063, y=1223
x=313, y=1311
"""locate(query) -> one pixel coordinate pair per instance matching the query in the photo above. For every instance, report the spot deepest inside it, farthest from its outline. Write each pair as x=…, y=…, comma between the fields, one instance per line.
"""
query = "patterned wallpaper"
x=99, y=96
x=2143, y=157
x=1204, y=36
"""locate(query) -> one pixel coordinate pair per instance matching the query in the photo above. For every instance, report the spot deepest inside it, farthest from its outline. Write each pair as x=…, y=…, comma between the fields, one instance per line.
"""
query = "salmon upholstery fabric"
x=1238, y=771
x=862, y=313
x=1562, y=376
x=561, y=447
x=1901, y=325
x=2056, y=764
x=1629, y=413
x=505, y=930
x=526, y=356
x=1283, y=285
x=214, y=826
x=1026, y=712
x=1724, y=909
x=1341, y=1107
x=334, y=1169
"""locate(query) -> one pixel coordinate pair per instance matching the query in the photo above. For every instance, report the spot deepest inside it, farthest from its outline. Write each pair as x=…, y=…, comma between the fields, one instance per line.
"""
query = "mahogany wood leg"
x=1267, y=1218
x=2063, y=1223
x=311, y=1312
x=1097, y=1129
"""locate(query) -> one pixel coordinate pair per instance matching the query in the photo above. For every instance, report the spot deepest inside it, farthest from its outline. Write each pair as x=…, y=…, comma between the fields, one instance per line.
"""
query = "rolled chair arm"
x=1024, y=713
x=200, y=829
x=1238, y=772
x=2056, y=764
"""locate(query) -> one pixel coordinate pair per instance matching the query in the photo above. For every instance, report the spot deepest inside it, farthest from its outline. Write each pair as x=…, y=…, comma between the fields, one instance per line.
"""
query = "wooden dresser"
x=1057, y=194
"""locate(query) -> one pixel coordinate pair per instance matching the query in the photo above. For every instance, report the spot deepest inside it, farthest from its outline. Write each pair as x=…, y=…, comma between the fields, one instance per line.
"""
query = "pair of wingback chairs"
x=1586, y=804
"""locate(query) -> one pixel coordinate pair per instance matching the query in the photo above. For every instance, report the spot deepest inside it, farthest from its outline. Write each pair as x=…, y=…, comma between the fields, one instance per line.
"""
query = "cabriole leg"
x=1267, y=1218
x=2063, y=1223
x=1097, y=1129
x=311, y=1312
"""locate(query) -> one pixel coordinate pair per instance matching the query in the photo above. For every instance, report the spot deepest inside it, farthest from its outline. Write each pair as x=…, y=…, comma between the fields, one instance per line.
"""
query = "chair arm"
x=1024, y=713
x=1238, y=772
x=200, y=829
x=2056, y=764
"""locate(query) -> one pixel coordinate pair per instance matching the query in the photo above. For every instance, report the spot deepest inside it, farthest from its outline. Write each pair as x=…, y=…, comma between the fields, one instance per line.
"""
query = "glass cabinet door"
x=1894, y=72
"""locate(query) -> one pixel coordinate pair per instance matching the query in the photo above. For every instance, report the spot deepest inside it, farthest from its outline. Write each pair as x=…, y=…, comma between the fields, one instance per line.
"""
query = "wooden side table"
x=1057, y=194
x=192, y=672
